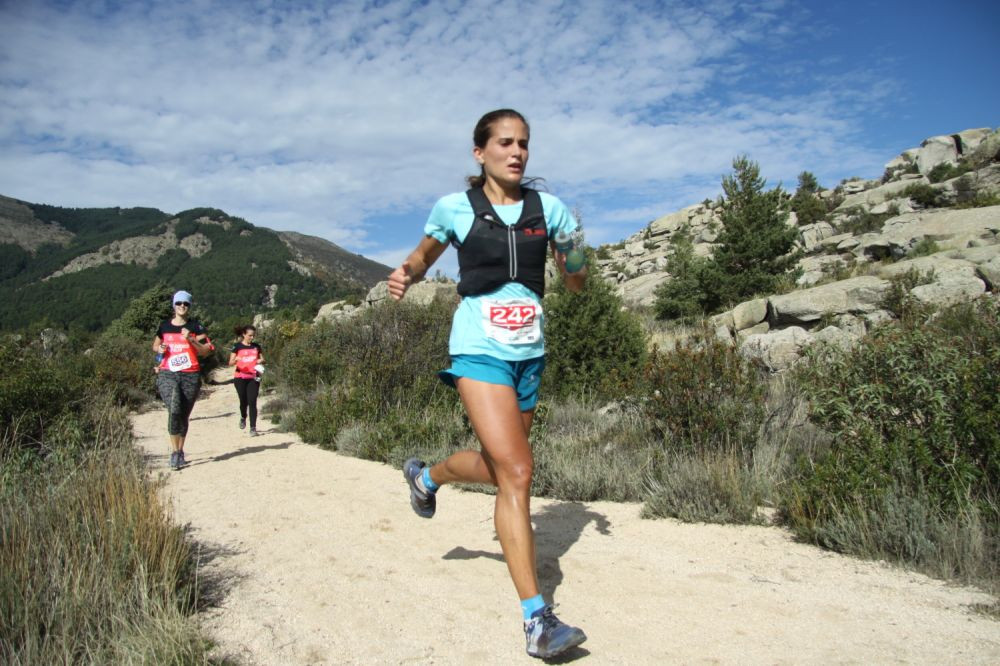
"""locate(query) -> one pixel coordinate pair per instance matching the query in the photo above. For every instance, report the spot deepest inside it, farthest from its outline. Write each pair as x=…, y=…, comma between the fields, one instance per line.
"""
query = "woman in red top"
x=181, y=341
x=248, y=359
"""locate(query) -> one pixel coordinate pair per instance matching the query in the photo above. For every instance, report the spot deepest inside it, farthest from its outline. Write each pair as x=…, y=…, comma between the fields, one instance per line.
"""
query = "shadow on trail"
x=247, y=450
x=557, y=528
x=214, y=583
x=215, y=416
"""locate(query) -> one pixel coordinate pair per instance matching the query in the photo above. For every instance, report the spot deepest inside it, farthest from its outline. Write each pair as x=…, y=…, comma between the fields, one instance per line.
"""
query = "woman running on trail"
x=503, y=231
x=181, y=341
x=246, y=356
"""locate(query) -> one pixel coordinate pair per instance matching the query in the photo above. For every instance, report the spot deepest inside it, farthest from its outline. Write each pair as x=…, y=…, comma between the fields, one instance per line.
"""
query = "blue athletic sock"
x=429, y=484
x=531, y=606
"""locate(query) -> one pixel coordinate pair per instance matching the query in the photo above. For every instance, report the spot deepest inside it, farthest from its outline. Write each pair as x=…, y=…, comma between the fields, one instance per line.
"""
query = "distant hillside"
x=78, y=267
x=324, y=259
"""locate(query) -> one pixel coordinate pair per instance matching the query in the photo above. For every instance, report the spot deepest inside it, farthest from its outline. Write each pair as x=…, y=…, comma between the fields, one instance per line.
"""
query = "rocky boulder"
x=879, y=194
x=641, y=290
x=937, y=150
x=777, y=350
x=422, y=293
x=805, y=307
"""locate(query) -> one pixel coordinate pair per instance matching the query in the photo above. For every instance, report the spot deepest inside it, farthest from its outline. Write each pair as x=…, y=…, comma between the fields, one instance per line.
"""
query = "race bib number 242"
x=512, y=322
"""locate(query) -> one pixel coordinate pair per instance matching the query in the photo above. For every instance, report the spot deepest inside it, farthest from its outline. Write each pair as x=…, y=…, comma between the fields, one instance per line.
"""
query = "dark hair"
x=241, y=330
x=481, y=136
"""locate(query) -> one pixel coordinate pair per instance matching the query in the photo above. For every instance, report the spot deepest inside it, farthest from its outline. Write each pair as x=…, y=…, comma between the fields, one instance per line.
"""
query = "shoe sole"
x=576, y=640
x=417, y=466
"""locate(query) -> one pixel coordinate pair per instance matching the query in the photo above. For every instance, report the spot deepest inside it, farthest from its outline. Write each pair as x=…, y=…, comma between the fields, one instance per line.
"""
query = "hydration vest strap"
x=483, y=209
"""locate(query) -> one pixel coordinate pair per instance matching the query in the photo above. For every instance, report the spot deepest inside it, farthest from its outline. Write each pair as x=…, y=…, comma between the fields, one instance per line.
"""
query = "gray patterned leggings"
x=179, y=390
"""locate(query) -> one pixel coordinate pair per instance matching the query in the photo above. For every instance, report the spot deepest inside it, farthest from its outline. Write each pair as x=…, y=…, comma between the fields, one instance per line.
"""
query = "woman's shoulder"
x=550, y=200
x=556, y=212
x=455, y=202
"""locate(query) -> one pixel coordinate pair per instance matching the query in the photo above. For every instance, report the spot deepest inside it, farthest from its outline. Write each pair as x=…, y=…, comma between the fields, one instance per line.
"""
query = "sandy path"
x=323, y=562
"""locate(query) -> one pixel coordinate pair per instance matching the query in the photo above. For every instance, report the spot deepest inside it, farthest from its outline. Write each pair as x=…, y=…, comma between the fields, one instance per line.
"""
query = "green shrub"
x=913, y=468
x=142, y=315
x=807, y=206
x=924, y=247
x=924, y=195
x=433, y=433
x=37, y=390
x=91, y=569
x=980, y=200
x=683, y=295
x=898, y=300
x=705, y=396
x=707, y=404
x=861, y=221
x=368, y=368
x=593, y=346
x=946, y=171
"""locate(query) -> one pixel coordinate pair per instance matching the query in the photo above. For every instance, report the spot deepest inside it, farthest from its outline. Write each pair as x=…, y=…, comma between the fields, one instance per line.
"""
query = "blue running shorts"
x=522, y=376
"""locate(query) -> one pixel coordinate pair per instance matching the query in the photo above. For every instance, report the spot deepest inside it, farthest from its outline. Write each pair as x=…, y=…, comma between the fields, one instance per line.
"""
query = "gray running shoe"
x=180, y=458
x=174, y=464
x=243, y=423
x=424, y=503
x=548, y=636
x=253, y=432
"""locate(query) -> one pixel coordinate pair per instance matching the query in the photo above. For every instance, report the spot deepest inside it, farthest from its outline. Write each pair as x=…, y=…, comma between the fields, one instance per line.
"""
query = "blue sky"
x=346, y=120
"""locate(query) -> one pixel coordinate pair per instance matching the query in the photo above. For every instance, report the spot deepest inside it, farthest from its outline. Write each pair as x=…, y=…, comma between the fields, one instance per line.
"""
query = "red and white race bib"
x=181, y=361
x=180, y=354
x=513, y=321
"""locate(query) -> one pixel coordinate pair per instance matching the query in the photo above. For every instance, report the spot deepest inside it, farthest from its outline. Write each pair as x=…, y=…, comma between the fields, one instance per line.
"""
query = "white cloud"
x=323, y=117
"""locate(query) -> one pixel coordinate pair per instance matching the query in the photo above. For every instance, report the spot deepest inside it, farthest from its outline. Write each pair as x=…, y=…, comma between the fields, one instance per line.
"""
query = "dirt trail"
x=323, y=562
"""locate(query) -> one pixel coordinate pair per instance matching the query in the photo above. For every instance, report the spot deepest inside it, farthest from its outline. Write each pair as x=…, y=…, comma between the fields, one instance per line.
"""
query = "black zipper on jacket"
x=512, y=252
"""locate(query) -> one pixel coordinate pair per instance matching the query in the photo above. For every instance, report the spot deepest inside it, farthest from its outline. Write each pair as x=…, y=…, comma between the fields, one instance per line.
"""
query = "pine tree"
x=807, y=206
x=683, y=295
x=143, y=315
x=756, y=245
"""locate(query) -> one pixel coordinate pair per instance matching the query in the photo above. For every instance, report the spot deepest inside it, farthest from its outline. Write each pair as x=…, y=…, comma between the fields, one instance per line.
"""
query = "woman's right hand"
x=400, y=280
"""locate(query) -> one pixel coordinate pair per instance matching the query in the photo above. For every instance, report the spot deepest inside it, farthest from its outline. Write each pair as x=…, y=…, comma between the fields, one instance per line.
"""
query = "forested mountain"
x=77, y=268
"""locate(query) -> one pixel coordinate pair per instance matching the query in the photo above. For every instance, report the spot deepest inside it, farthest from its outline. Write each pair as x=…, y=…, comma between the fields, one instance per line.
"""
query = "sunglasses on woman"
x=182, y=303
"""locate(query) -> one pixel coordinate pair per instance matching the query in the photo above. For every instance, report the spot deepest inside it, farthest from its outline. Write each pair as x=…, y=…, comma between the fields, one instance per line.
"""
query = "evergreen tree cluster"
x=755, y=251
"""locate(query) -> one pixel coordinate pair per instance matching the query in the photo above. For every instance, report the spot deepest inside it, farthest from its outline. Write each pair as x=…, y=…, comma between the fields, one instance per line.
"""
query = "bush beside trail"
x=92, y=570
x=912, y=472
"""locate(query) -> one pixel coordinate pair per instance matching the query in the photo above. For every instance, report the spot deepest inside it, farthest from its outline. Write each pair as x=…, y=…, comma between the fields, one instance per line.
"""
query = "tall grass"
x=92, y=569
x=583, y=452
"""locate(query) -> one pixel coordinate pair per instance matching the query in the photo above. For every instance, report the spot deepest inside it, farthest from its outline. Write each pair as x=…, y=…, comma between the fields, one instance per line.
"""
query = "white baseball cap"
x=182, y=297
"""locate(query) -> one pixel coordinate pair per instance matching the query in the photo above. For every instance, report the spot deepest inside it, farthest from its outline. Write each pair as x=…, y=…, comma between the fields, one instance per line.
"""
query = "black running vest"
x=494, y=254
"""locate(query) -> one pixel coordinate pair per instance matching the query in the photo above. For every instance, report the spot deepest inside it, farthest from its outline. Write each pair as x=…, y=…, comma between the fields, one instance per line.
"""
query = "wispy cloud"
x=331, y=117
